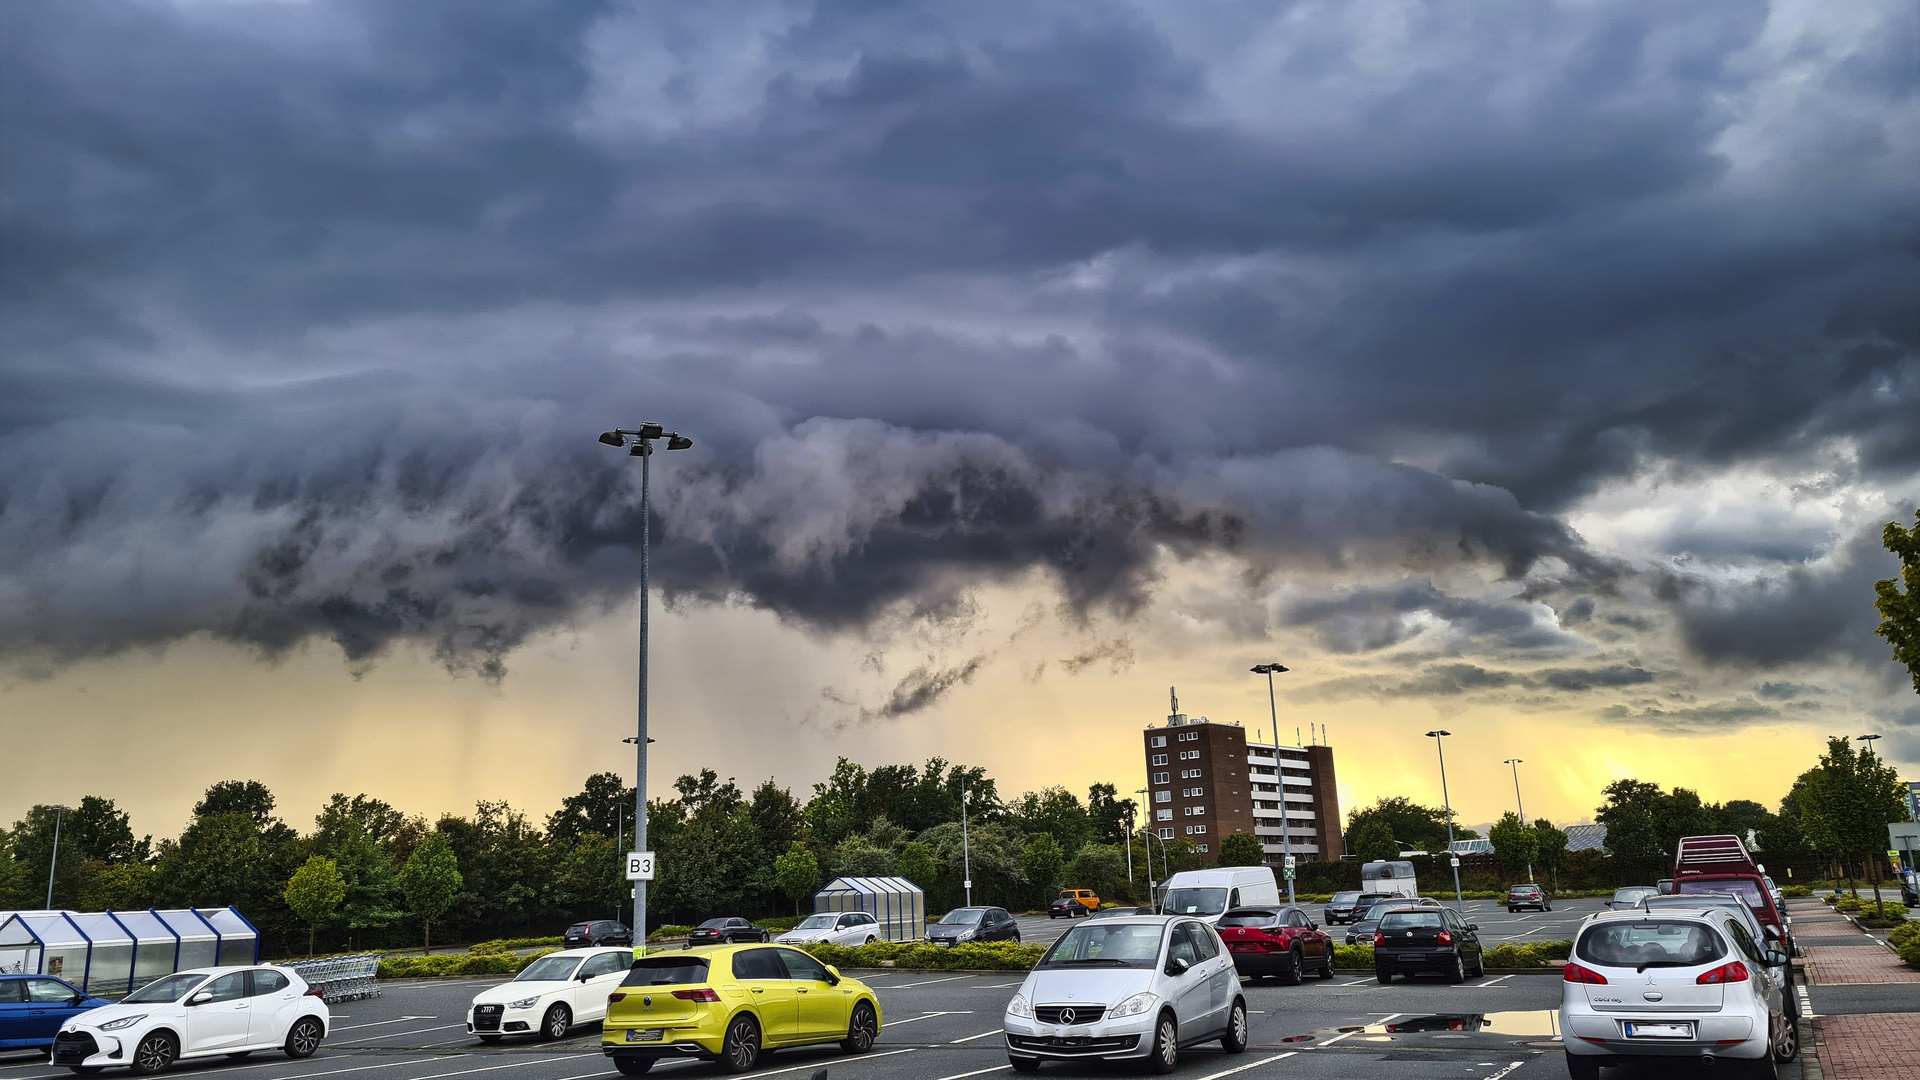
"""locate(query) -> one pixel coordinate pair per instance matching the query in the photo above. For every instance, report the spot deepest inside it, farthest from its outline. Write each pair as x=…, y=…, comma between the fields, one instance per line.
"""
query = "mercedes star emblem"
x=1066, y=1016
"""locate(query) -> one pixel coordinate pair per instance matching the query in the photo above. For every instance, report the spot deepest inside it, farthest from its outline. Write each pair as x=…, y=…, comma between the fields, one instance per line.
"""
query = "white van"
x=1392, y=878
x=1209, y=894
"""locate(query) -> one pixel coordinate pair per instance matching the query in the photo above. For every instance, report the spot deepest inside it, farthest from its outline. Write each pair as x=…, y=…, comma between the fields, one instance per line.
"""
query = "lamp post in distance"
x=1146, y=800
x=58, y=813
x=1868, y=739
x=1279, y=777
x=1516, y=763
x=641, y=447
x=1459, y=898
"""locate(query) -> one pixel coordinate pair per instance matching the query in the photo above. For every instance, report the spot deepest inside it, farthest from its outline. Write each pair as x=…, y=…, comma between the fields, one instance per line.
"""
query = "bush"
x=510, y=944
x=1353, y=956
x=434, y=967
x=780, y=924
x=1849, y=904
x=1905, y=932
x=1910, y=951
x=1796, y=892
x=1532, y=954
x=670, y=930
x=1895, y=915
x=984, y=956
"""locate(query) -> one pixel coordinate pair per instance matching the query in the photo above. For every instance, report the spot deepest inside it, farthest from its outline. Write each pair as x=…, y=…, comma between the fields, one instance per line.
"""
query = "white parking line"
x=415, y=1031
x=977, y=1072
x=999, y=986
x=383, y=1023
x=982, y=1035
x=803, y=1068
x=929, y=982
x=1249, y=1065
x=1355, y=982
x=1493, y=981
x=927, y=1016
x=1505, y=1071
x=1524, y=918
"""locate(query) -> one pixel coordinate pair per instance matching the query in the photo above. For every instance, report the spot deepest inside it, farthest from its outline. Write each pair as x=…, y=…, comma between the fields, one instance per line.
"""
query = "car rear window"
x=666, y=971
x=1651, y=944
x=1249, y=917
x=1410, y=920
x=578, y=928
x=1344, y=898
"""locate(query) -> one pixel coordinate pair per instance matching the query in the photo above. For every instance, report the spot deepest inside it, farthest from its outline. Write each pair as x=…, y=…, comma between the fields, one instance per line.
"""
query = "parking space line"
x=1493, y=981
x=1249, y=1065
x=382, y=1023
x=415, y=1031
x=1505, y=1071
x=809, y=1065
x=929, y=982
x=982, y=1035
x=926, y=1016
x=999, y=986
x=977, y=1072
x=484, y=1068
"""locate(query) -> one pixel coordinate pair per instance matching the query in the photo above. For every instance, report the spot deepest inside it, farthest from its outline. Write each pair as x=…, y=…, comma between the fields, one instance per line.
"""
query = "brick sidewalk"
x=1869, y=1046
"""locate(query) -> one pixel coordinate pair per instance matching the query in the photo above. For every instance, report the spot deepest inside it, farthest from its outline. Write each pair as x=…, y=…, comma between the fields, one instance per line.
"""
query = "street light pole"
x=1129, y=847
x=1439, y=740
x=1516, y=763
x=642, y=448
x=1279, y=777
x=58, y=813
x=966, y=848
x=1146, y=800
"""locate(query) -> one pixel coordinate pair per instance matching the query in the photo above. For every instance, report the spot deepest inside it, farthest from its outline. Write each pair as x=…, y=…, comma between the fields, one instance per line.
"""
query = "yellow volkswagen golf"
x=726, y=1003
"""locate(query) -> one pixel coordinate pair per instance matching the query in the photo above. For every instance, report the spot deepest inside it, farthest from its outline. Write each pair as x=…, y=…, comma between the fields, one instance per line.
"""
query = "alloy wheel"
x=304, y=1039
x=1786, y=1039
x=861, y=1030
x=153, y=1055
x=743, y=1045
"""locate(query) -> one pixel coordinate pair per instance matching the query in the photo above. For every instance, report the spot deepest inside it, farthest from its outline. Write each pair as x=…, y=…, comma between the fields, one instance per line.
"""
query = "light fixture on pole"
x=1459, y=898
x=1279, y=778
x=966, y=849
x=1868, y=739
x=1516, y=763
x=58, y=813
x=641, y=447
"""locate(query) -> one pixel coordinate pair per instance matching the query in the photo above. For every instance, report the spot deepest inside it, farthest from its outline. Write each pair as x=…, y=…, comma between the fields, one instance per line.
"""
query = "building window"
x=1189, y=830
x=1159, y=759
x=1163, y=815
x=1159, y=740
x=1189, y=736
x=1199, y=830
x=1189, y=774
x=1189, y=755
x=1166, y=834
x=1159, y=778
x=1163, y=796
x=1199, y=811
x=1192, y=792
x=1201, y=848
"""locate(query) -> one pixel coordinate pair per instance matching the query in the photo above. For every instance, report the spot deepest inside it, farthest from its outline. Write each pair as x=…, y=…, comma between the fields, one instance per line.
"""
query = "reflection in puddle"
x=1535, y=1022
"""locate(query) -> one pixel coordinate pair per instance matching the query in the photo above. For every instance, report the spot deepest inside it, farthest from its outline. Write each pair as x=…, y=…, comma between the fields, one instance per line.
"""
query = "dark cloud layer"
x=311, y=312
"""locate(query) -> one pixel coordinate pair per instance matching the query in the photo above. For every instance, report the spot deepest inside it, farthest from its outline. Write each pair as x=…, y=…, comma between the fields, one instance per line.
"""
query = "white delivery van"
x=1392, y=878
x=1209, y=894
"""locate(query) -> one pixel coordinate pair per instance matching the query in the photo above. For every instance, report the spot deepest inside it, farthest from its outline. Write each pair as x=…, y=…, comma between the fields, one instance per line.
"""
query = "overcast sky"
x=1548, y=370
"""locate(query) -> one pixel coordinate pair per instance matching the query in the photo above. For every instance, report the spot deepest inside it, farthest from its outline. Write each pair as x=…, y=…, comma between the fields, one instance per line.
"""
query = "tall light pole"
x=1439, y=740
x=1516, y=763
x=58, y=813
x=1129, y=847
x=966, y=848
x=1868, y=739
x=1279, y=777
x=1146, y=800
x=642, y=448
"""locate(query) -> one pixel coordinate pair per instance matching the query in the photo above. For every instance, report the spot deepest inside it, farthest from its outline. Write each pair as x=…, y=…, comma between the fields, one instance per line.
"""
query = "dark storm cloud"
x=310, y=311
x=1452, y=680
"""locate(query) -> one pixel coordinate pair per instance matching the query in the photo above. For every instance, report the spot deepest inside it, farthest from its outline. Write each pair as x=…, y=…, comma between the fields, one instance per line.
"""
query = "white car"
x=1129, y=988
x=1674, y=984
x=203, y=1012
x=851, y=928
x=550, y=995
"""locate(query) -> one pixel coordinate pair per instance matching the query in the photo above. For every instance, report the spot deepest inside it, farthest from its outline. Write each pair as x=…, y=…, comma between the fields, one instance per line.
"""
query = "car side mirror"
x=201, y=998
x=74, y=1001
x=1177, y=966
x=1311, y=925
x=1771, y=932
x=1473, y=926
x=833, y=975
x=1776, y=958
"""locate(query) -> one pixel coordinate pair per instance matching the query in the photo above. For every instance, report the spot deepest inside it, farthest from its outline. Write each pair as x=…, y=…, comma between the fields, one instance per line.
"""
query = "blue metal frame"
x=38, y=940
x=250, y=926
x=168, y=927
x=86, y=969
x=133, y=954
x=218, y=938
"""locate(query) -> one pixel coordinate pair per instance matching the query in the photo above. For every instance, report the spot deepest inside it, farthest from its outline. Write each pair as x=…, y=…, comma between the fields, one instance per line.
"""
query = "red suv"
x=1706, y=864
x=1279, y=943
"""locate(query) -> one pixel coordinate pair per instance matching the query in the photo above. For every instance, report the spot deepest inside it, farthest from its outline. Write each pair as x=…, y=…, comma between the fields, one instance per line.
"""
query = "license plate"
x=645, y=1035
x=1239, y=946
x=1406, y=957
x=1659, y=1031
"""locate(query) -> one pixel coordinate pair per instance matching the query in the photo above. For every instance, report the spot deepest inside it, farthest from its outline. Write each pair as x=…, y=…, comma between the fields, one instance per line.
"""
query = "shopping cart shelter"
x=896, y=903
x=112, y=953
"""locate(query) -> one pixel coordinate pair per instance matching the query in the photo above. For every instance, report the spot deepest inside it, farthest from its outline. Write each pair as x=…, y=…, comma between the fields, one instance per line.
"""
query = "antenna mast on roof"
x=1173, y=699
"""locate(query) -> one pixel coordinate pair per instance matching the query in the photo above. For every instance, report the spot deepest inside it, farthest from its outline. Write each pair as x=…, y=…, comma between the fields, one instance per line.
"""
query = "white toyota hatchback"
x=1127, y=988
x=1674, y=984
x=550, y=995
x=204, y=1012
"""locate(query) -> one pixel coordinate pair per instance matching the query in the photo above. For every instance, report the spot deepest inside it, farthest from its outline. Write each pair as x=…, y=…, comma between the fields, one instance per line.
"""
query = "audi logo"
x=1066, y=1016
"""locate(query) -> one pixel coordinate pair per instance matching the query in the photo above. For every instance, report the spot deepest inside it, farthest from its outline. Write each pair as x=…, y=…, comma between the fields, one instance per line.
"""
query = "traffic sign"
x=1455, y=860
x=639, y=866
x=1289, y=873
x=1290, y=863
x=967, y=884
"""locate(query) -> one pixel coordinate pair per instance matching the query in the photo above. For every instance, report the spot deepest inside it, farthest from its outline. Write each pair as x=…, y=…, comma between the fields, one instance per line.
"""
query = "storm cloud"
x=311, y=313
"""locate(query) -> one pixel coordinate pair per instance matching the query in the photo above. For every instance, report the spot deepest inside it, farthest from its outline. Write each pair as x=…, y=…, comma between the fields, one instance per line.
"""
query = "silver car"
x=1673, y=984
x=1130, y=988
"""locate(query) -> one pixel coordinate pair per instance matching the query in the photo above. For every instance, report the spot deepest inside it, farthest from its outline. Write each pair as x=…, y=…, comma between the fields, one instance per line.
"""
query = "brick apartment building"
x=1206, y=781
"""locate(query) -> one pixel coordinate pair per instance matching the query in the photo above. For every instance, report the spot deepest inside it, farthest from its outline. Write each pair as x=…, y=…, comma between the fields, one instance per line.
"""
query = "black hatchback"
x=1424, y=940
x=596, y=933
x=730, y=931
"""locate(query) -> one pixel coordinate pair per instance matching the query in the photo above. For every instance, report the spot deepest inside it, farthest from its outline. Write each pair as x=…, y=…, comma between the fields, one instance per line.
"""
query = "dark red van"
x=1723, y=864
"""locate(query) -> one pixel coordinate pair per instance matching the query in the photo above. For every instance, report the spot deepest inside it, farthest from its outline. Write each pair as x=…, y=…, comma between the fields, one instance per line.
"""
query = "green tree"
x=856, y=856
x=1633, y=814
x=1407, y=822
x=248, y=797
x=218, y=861
x=1056, y=812
x=798, y=873
x=430, y=880
x=120, y=886
x=314, y=894
x=917, y=865
x=1043, y=864
x=1099, y=867
x=1847, y=802
x=1110, y=815
x=1371, y=840
x=1515, y=843
x=1241, y=849
x=603, y=806
x=1553, y=849
x=1900, y=611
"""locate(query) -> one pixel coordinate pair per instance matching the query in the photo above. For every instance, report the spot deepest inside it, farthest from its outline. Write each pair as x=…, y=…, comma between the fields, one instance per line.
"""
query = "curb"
x=1809, y=1057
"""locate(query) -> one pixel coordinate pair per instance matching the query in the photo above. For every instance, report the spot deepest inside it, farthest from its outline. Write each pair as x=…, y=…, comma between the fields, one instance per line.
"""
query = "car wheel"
x=869, y=940
x=1016, y=937
x=1383, y=976
x=1235, y=1040
x=155, y=1054
x=1023, y=1064
x=1166, y=1046
x=1786, y=1039
x=303, y=1038
x=556, y=1023
x=1326, y=969
x=1290, y=975
x=862, y=1028
x=1480, y=965
x=1548, y=907
x=742, y=1046
x=1583, y=1068
x=1458, y=974
x=765, y=937
x=633, y=1066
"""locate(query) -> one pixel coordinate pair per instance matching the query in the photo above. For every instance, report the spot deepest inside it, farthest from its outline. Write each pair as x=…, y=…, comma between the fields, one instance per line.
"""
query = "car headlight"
x=524, y=1003
x=123, y=1022
x=1135, y=1005
x=1019, y=1007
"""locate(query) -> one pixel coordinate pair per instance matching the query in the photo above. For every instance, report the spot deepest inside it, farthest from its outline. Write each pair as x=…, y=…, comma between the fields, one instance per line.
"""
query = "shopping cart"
x=342, y=978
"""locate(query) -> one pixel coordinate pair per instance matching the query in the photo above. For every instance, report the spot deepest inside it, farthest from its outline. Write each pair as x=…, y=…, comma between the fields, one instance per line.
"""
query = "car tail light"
x=611, y=998
x=1379, y=940
x=1725, y=973
x=1445, y=938
x=703, y=994
x=314, y=991
x=1577, y=974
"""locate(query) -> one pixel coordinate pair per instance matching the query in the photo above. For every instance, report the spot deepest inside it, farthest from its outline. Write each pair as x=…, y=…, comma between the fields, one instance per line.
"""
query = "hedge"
x=983, y=956
x=431, y=967
x=509, y=944
x=1532, y=954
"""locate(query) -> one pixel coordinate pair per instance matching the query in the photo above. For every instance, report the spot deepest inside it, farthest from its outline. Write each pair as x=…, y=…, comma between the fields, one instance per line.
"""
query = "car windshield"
x=1523, y=888
x=1642, y=945
x=1381, y=908
x=965, y=916
x=816, y=922
x=1633, y=895
x=1195, y=902
x=1248, y=917
x=712, y=924
x=549, y=969
x=666, y=971
x=1749, y=891
x=1133, y=945
x=1344, y=898
x=1410, y=920
x=171, y=988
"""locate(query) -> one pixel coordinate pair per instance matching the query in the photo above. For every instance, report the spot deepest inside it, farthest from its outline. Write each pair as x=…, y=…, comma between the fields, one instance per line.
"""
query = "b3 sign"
x=639, y=866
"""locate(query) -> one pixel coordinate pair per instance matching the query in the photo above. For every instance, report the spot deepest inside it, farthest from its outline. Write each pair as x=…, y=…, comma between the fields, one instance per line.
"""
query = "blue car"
x=32, y=1008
